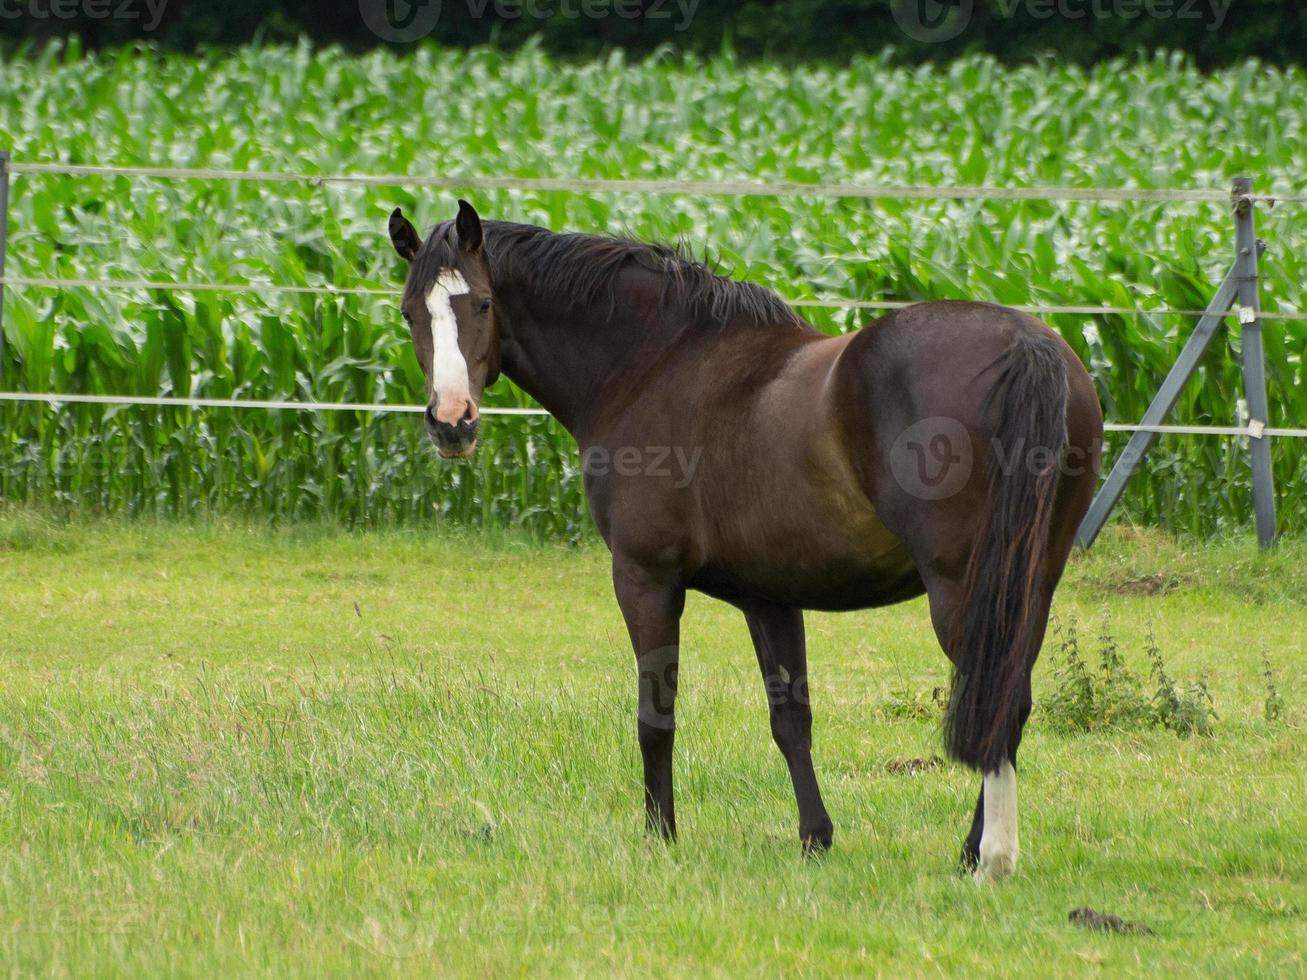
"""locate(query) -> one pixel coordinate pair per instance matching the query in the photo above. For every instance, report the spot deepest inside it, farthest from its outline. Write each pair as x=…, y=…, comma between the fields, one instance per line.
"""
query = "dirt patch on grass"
x=1088, y=918
x=910, y=767
x=1158, y=583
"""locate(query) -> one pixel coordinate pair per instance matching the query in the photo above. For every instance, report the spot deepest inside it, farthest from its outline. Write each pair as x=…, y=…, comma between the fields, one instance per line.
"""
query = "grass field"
x=227, y=749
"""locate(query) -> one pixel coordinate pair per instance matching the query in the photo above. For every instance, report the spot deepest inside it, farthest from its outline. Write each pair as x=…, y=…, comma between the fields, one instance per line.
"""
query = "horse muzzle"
x=456, y=440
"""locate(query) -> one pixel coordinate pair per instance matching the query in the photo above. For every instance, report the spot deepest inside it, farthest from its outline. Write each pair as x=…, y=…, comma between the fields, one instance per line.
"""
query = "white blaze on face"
x=998, y=839
x=448, y=368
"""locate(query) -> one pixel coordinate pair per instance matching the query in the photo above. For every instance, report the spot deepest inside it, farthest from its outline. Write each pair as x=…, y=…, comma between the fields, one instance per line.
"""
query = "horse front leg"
x=779, y=641
x=651, y=604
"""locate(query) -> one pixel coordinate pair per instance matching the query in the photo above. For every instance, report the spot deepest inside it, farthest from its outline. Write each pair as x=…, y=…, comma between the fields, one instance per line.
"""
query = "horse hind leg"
x=992, y=846
x=778, y=639
x=997, y=857
x=996, y=808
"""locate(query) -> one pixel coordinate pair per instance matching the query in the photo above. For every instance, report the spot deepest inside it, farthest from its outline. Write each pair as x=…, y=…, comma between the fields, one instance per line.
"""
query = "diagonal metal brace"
x=1167, y=395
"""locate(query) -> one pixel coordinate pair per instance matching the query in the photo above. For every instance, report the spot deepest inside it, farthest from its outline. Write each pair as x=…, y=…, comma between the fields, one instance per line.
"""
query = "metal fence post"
x=1167, y=395
x=1247, y=249
x=4, y=240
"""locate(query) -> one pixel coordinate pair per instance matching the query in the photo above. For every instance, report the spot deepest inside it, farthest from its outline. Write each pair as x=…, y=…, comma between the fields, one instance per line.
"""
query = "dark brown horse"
x=730, y=447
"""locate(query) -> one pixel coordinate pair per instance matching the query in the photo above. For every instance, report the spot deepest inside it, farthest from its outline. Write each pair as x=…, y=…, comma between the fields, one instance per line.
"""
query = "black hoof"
x=817, y=842
x=661, y=830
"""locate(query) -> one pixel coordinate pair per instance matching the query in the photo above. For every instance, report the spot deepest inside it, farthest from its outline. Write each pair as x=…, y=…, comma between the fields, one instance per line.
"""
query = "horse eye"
x=485, y=306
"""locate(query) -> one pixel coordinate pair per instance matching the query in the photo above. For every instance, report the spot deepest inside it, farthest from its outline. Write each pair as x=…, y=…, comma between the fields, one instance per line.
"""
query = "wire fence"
x=717, y=188
x=55, y=398
x=811, y=302
x=726, y=188
x=311, y=406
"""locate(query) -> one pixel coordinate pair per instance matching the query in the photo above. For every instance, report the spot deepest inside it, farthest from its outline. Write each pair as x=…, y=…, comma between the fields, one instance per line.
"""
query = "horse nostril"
x=430, y=417
x=469, y=413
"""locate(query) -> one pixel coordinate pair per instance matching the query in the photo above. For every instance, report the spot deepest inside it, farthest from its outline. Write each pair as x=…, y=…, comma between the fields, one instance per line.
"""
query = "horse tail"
x=994, y=627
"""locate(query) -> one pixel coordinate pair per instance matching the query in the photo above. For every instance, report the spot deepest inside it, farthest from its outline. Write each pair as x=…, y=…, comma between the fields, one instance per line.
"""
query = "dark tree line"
x=1214, y=32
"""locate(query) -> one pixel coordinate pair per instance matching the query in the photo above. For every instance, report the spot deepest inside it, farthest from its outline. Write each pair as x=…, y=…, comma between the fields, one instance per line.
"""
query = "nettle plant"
x=1107, y=694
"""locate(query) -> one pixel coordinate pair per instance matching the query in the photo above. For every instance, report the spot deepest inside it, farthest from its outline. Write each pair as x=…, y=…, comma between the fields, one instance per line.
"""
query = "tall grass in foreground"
x=228, y=751
x=1155, y=123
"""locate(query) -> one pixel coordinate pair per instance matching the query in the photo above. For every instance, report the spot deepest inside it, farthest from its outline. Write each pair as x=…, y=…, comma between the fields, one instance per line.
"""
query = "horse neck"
x=573, y=360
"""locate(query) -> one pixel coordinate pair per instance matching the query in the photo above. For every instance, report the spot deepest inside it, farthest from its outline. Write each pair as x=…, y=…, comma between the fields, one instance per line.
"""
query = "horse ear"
x=404, y=236
x=468, y=224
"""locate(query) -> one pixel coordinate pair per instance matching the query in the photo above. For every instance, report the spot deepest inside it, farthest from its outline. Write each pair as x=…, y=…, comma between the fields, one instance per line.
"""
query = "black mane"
x=584, y=270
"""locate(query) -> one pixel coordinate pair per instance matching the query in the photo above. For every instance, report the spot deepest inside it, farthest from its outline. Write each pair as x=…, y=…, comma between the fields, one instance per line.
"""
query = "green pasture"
x=229, y=750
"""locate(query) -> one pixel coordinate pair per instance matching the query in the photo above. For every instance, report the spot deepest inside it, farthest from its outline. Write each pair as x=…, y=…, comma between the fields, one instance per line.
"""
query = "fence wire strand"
x=718, y=188
x=813, y=302
x=55, y=398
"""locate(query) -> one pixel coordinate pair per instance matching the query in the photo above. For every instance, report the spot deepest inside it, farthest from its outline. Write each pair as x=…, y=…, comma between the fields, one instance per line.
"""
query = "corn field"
x=1156, y=123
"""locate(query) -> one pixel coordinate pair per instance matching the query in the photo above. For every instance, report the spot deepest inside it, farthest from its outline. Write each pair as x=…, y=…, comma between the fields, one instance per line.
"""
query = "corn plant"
x=1145, y=123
